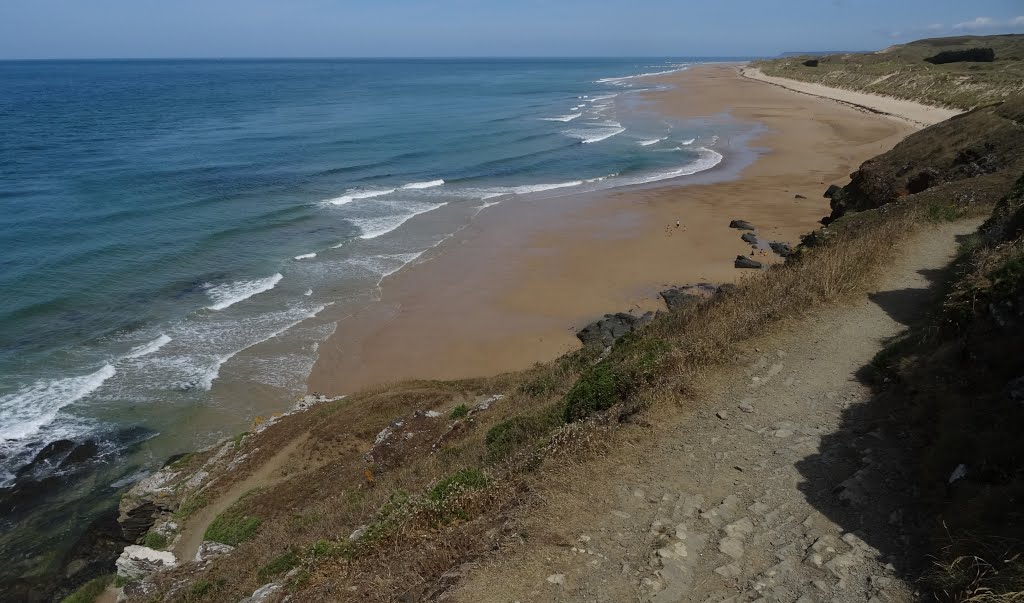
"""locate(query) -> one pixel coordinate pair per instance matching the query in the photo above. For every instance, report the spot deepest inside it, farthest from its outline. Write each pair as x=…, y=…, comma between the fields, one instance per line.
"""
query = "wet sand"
x=511, y=288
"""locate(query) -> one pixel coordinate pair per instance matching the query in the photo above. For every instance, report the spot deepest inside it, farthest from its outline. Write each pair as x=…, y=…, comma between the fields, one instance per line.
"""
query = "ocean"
x=174, y=232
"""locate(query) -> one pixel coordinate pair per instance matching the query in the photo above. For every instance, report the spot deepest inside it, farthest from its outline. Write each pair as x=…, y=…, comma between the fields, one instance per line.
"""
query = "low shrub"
x=231, y=527
x=279, y=565
x=517, y=432
x=459, y=411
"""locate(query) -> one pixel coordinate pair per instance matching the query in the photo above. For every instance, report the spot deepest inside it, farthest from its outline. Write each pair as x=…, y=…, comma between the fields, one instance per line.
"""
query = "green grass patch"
x=238, y=439
x=459, y=411
x=519, y=432
x=90, y=591
x=121, y=581
x=279, y=565
x=232, y=527
x=467, y=479
x=155, y=540
x=190, y=505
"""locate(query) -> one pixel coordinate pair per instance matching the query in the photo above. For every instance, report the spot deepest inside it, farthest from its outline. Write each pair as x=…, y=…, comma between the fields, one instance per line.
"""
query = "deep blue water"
x=157, y=217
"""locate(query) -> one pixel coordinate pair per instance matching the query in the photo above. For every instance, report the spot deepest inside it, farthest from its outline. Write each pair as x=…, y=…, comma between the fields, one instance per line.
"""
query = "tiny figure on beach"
x=677, y=223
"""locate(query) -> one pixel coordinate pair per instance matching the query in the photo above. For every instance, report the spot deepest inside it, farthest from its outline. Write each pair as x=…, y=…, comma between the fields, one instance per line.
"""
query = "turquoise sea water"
x=159, y=218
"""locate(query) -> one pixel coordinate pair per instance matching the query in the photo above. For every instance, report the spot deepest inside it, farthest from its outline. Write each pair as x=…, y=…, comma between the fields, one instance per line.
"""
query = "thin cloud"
x=988, y=23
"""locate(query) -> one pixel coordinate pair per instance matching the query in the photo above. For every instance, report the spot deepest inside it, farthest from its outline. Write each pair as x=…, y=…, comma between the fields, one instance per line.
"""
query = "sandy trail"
x=909, y=111
x=796, y=500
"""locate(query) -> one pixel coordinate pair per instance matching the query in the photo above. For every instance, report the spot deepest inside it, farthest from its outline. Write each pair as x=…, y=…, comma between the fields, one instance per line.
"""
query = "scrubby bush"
x=232, y=527
x=973, y=55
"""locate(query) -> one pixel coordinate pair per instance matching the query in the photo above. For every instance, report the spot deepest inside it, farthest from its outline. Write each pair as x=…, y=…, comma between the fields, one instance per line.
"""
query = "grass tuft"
x=90, y=591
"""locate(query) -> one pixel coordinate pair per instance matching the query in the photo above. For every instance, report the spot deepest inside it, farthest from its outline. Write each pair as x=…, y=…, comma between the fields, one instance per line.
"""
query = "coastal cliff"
x=399, y=492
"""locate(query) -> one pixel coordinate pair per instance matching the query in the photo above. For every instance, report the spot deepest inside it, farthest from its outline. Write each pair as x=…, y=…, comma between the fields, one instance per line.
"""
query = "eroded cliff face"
x=979, y=143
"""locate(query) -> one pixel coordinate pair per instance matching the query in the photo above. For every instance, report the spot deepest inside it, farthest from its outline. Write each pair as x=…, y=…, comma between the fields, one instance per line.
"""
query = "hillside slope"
x=902, y=72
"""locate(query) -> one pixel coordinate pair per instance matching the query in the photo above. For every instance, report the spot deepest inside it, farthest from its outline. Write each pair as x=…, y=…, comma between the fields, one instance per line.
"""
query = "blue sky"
x=310, y=28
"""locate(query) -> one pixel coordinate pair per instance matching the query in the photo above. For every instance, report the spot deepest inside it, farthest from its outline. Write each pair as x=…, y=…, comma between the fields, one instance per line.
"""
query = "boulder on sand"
x=749, y=237
x=687, y=295
x=783, y=249
x=604, y=332
x=831, y=190
x=743, y=261
x=741, y=225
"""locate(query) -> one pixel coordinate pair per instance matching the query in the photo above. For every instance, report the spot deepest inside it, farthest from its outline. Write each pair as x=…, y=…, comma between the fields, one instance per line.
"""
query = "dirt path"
x=266, y=475
x=767, y=489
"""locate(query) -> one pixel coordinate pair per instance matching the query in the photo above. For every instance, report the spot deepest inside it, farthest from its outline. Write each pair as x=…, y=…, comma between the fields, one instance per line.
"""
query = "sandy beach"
x=512, y=287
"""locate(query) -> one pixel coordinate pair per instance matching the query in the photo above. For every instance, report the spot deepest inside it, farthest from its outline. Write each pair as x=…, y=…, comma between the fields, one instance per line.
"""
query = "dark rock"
x=81, y=453
x=743, y=261
x=137, y=521
x=783, y=249
x=94, y=553
x=923, y=180
x=799, y=196
x=48, y=456
x=1015, y=390
x=831, y=190
x=604, y=332
x=687, y=295
x=810, y=63
x=741, y=225
x=676, y=298
x=726, y=290
x=749, y=237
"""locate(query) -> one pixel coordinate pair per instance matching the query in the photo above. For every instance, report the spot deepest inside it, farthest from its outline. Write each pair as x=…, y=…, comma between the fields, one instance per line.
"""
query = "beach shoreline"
x=512, y=288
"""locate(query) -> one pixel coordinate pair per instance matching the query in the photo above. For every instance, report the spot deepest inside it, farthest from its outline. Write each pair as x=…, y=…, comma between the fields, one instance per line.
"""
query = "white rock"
x=210, y=549
x=263, y=593
x=557, y=579
x=959, y=473
x=136, y=562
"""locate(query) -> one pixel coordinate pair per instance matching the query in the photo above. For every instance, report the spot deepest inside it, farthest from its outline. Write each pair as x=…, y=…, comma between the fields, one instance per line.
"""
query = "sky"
x=449, y=28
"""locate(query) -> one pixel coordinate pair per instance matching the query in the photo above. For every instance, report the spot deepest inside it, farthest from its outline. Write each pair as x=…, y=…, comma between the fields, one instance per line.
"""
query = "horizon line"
x=385, y=58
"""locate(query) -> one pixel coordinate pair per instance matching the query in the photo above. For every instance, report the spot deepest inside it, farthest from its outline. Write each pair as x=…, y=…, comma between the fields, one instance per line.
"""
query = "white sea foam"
x=598, y=133
x=354, y=195
x=706, y=160
x=148, y=348
x=212, y=372
x=308, y=292
x=229, y=294
x=537, y=188
x=562, y=118
x=420, y=185
x=380, y=225
x=689, y=141
x=385, y=265
x=615, y=80
x=647, y=143
x=32, y=407
x=305, y=256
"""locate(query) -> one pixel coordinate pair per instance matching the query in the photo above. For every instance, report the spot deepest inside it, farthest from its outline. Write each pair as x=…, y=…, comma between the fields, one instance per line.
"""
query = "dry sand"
x=511, y=288
x=915, y=113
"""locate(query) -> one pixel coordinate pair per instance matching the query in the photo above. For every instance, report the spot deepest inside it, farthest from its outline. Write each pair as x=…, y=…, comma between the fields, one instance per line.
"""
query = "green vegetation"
x=232, y=527
x=90, y=591
x=903, y=72
x=279, y=565
x=190, y=505
x=459, y=411
x=467, y=479
x=522, y=431
x=155, y=540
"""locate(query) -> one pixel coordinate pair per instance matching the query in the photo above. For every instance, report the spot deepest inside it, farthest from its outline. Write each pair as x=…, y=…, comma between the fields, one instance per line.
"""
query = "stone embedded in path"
x=731, y=546
x=557, y=579
x=210, y=549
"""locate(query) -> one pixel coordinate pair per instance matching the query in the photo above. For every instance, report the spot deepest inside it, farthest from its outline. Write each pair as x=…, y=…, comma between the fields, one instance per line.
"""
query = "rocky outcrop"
x=749, y=237
x=137, y=562
x=687, y=295
x=264, y=594
x=743, y=261
x=782, y=249
x=741, y=225
x=983, y=141
x=210, y=549
x=604, y=332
